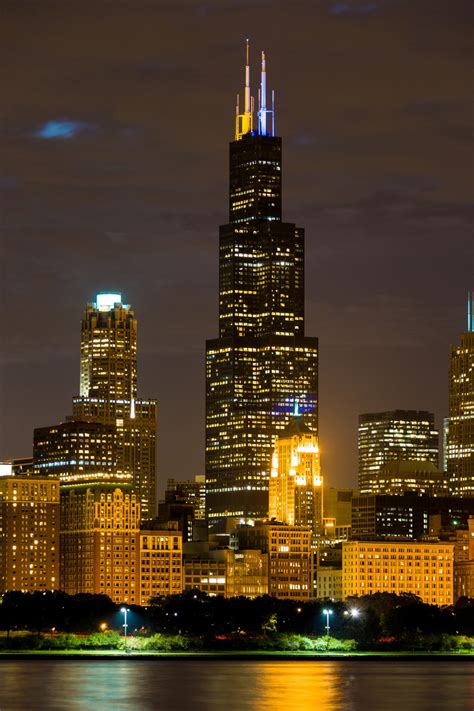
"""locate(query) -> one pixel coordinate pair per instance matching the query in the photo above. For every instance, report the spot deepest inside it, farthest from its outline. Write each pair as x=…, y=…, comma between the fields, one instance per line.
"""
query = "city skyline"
x=390, y=325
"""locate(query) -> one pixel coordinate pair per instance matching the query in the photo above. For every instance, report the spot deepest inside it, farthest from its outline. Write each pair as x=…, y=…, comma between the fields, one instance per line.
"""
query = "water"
x=208, y=685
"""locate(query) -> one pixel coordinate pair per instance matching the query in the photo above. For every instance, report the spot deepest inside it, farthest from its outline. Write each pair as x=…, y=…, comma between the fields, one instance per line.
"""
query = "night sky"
x=115, y=123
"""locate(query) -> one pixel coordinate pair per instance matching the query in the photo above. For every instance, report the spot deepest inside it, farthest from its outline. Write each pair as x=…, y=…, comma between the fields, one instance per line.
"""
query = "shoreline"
x=236, y=656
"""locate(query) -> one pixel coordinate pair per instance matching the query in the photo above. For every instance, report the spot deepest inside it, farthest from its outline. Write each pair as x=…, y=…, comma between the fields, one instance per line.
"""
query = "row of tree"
x=370, y=620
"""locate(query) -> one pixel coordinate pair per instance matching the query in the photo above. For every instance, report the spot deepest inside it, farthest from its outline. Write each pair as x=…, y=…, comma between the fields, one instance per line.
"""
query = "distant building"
x=464, y=562
x=296, y=486
x=206, y=574
x=406, y=516
x=329, y=583
x=108, y=392
x=420, y=568
x=185, y=502
x=78, y=453
x=389, y=436
x=337, y=505
x=262, y=361
x=20, y=466
x=227, y=572
x=29, y=534
x=460, y=427
x=290, y=556
x=100, y=542
x=161, y=563
x=401, y=476
x=188, y=492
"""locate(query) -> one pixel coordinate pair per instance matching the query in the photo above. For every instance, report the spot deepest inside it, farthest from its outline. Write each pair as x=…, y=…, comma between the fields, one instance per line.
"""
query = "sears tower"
x=262, y=364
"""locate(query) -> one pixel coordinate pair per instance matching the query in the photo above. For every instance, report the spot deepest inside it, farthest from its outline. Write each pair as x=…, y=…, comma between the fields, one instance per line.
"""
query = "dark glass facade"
x=262, y=362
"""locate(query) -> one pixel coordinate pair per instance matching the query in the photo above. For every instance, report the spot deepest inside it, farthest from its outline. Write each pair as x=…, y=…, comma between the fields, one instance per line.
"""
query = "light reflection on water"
x=208, y=685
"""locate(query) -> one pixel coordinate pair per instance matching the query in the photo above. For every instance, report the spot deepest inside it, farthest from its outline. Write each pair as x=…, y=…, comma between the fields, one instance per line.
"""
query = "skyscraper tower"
x=460, y=434
x=262, y=362
x=408, y=435
x=108, y=393
x=296, y=485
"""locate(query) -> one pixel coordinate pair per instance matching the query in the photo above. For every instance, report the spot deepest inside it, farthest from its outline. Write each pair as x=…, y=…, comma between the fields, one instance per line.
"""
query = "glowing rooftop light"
x=107, y=301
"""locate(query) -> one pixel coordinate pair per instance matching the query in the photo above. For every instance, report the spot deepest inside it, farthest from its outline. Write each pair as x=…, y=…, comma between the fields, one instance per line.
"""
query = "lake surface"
x=207, y=685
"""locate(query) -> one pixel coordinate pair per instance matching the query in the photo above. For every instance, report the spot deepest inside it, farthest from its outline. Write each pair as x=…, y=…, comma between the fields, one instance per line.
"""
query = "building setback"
x=262, y=362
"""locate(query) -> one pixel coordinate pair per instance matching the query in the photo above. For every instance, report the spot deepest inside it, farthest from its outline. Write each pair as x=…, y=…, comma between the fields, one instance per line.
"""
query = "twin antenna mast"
x=244, y=120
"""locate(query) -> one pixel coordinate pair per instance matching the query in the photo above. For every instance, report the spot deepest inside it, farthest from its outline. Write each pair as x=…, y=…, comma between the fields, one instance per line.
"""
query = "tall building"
x=100, y=542
x=295, y=488
x=188, y=492
x=262, y=362
x=29, y=533
x=108, y=393
x=460, y=434
x=77, y=452
x=389, y=436
x=400, y=477
x=407, y=515
x=420, y=568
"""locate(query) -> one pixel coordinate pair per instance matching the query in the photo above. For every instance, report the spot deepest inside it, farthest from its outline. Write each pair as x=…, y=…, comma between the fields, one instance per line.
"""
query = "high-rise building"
x=108, y=393
x=460, y=434
x=100, y=542
x=188, y=492
x=389, y=436
x=78, y=453
x=29, y=533
x=295, y=489
x=262, y=362
x=400, y=477
x=407, y=515
x=421, y=568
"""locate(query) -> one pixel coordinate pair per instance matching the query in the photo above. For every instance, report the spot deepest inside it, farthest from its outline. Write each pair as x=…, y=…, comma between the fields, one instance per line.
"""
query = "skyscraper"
x=262, y=362
x=296, y=486
x=389, y=436
x=108, y=393
x=460, y=434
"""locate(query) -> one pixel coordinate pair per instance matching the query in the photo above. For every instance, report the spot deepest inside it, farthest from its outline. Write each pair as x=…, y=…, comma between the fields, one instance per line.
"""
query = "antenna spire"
x=244, y=121
x=470, y=311
x=262, y=108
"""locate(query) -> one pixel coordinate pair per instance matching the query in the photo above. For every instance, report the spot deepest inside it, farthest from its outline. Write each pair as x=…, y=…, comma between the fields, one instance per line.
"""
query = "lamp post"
x=327, y=612
x=125, y=625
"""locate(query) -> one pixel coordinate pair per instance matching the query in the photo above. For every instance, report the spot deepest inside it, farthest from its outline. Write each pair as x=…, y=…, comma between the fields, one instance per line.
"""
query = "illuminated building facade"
x=108, y=393
x=227, y=572
x=460, y=432
x=77, y=452
x=188, y=492
x=100, y=542
x=420, y=568
x=205, y=574
x=389, y=436
x=464, y=562
x=262, y=362
x=400, y=477
x=29, y=534
x=406, y=516
x=161, y=563
x=329, y=583
x=295, y=488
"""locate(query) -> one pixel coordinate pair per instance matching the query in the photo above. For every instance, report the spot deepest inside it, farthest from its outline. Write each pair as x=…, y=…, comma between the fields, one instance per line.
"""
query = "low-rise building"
x=423, y=568
x=329, y=583
x=161, y=563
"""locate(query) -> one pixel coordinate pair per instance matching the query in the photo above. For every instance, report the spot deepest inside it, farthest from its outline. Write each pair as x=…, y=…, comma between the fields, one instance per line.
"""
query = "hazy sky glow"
x=114, y=138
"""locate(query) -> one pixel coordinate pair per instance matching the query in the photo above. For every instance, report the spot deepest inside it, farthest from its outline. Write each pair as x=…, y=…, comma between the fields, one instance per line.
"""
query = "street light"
x=327, y=612
x=124, y=610
x=353, y=612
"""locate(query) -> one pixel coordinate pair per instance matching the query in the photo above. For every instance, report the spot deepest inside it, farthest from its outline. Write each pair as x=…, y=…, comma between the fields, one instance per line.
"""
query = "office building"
x=290, y=556
x=78, y=453
x=188, y=492
x=29, y=534
x=389, y=436
x=400, y=477
x=424, y=569
x=296, y=487
x=161, y=563
x=108, y=393
x=407, y=516
x=460, y=426
x=100, y=542
x=464, y=561
x=329, y=582
x=261, y=363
